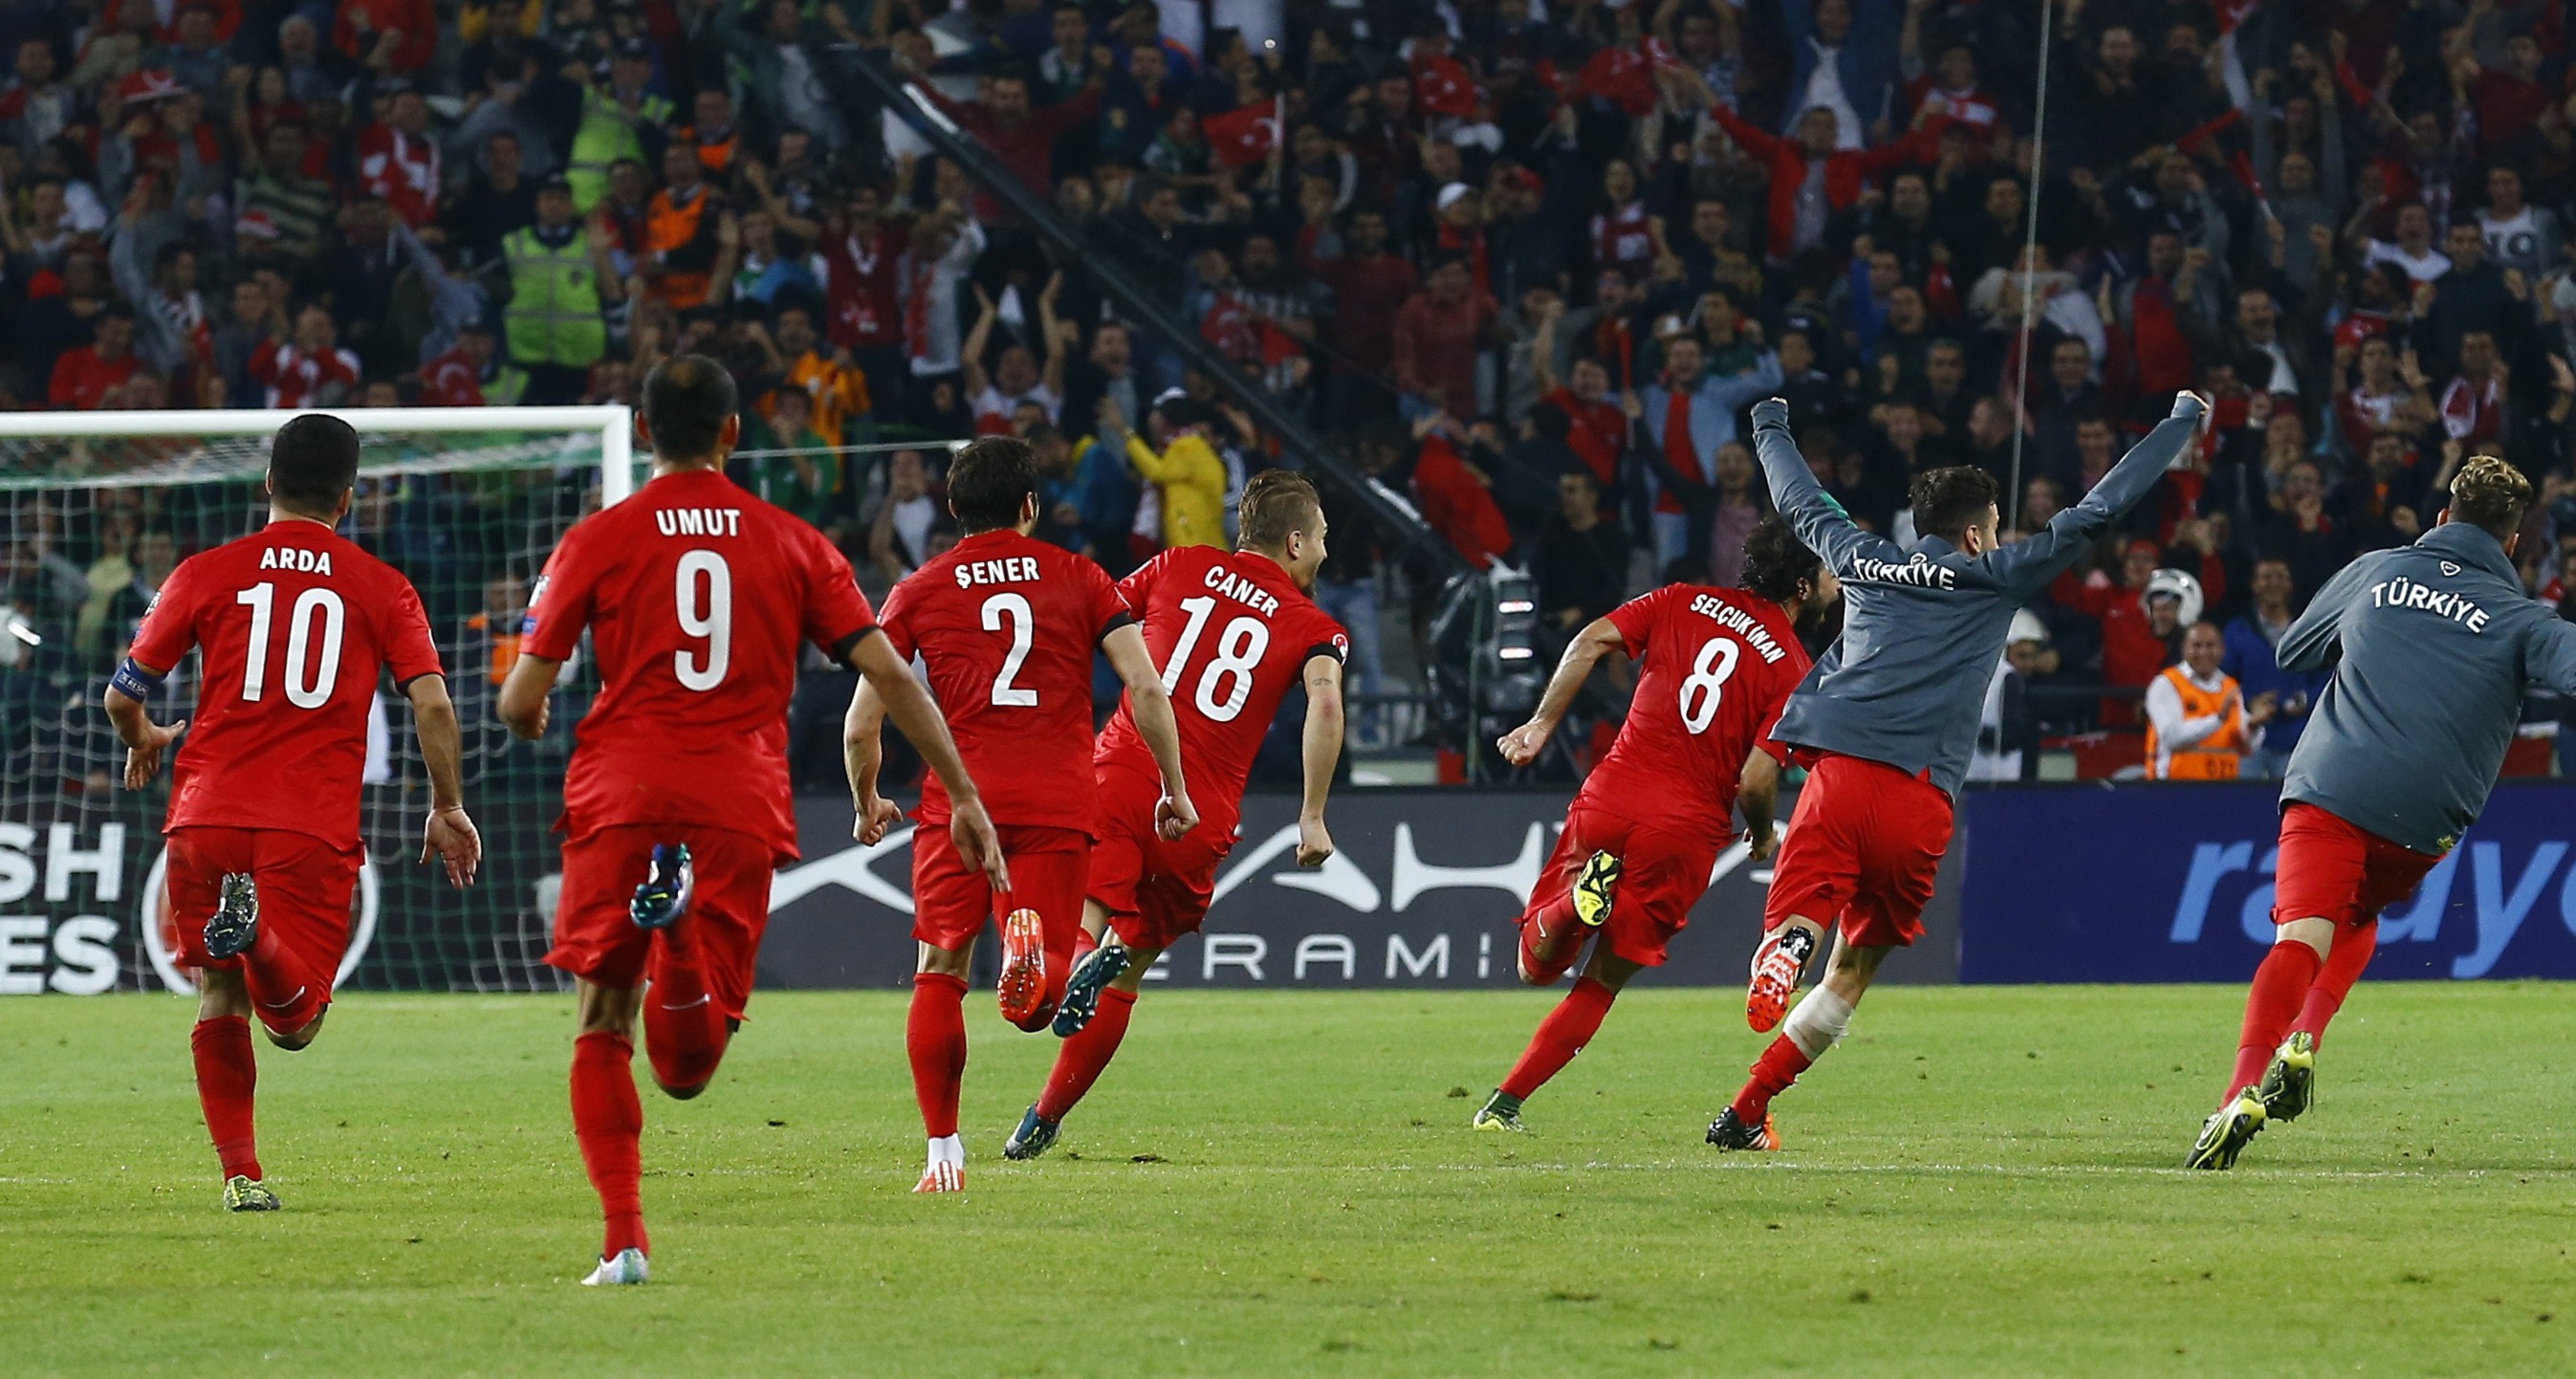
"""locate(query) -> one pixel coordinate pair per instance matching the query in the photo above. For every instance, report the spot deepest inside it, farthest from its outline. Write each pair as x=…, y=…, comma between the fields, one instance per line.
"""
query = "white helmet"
x=2026, y=627
x=2174, y=584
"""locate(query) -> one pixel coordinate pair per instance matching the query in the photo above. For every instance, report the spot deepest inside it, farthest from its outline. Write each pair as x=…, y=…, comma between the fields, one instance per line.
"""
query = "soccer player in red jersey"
x=1005, y=623
x=294, y=624
x=1232, y=631
x=1643, y=835
x=676, y=805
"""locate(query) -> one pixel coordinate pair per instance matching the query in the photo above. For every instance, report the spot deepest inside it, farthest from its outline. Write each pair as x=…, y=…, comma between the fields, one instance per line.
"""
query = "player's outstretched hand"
x=1772, y=411
x=2185, y=400
x=144, y=762
x=1520, y=745
x=451, y=834
x=1175, y=816
x=1314, y=844
x=876, y=815
x=1762, y=844
x=972, y=830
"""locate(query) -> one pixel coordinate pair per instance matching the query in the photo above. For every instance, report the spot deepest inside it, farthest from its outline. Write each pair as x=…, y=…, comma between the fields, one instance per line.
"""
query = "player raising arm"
x=697, y=596
x=1891, y=711
x=1005, y=623
x=2433, y=646
x=1643, y=835
x=1233, y=630
x=295, y=624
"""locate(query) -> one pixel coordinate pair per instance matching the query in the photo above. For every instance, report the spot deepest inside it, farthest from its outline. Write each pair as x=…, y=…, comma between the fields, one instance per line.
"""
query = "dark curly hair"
x=1775, y=561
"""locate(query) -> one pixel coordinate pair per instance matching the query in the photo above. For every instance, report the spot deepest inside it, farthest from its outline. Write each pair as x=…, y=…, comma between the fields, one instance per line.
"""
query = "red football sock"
x=684, y=1029
x=284, y=993
x=2280, y=984
x=1778, y=1066
x=227, y=1075
x=1079, y=1063
x=608, y=1119
x=1551, y=940
x=2352, y=950
x=1560, y=1036
x=935, y=1034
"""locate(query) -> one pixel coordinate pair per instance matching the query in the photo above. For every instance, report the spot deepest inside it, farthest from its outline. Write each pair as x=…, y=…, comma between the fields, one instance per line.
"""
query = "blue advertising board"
x=2173, y=883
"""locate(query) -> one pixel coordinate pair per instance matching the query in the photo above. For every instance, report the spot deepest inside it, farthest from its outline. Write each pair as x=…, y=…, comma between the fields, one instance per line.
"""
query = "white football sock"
x=1818, y=1023
x=947, y=1149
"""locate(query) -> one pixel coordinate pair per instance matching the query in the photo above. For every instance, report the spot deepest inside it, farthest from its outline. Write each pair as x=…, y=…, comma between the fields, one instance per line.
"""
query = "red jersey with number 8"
x=296, y=622
x=1006, y=623
x=698, y=597
x=1718, y=666
x=1232, y=633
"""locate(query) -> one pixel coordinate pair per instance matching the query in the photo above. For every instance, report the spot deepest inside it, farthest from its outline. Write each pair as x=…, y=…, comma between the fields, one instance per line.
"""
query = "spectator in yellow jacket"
x=1187, y=474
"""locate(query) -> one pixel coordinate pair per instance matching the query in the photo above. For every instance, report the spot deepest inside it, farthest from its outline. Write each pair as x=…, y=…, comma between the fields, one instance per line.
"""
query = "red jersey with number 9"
x=1718, y=666
x=296, y=623
x=698, y=597
x=1232, y=633
x=1006, y=623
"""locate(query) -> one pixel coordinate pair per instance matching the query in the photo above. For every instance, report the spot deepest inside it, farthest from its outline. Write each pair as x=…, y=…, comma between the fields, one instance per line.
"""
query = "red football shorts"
x=1662, y=873
x=951, y=900
x=1154, y=891
x=595, y=934
x=2332, y=869
x=1861, y=852
x=304, y=888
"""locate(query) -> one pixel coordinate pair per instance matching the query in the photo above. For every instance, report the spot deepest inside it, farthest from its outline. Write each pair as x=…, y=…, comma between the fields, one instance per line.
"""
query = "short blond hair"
x=2490, y=494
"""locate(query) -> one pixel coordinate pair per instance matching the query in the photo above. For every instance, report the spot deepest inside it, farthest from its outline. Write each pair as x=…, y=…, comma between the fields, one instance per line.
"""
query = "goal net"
x=96, y=508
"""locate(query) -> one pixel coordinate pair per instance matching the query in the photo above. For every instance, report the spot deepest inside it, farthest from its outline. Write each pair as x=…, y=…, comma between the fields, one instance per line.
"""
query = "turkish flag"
x=1442, y=86
x=1244, y=136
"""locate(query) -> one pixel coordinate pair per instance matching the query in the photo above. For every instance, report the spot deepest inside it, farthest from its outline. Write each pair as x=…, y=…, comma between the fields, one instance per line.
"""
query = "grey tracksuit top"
x=1923, y=628
x=2437, y=644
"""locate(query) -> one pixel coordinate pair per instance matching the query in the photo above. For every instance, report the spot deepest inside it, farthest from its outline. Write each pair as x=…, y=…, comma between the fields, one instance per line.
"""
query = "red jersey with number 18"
x=1232, y=633
x=1719, y=664
x=1007, y=624
x=697, y=596
x=296, y=623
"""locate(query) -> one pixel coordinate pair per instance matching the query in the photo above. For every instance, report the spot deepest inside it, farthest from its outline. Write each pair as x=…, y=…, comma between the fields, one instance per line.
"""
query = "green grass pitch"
x=1979, y=1182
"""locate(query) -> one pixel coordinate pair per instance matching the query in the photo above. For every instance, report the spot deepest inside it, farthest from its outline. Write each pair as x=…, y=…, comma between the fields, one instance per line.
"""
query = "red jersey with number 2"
x=1718, y=664
x=1006, y=623
x=1232, y=633
x=698, y=597
x=296, y=623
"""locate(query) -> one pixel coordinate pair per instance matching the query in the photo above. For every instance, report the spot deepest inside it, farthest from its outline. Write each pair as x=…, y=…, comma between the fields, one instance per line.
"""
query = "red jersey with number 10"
x=697, y=596
x=1007, y=624
x=1232, y=632
x=1719, y=664
x=296, y=623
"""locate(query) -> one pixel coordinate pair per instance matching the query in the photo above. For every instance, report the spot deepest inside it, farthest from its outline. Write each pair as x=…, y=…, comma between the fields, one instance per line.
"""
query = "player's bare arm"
x=1757, y=795
x=144, y=740
x=1152, y=706
x=909, y=704
x=1521, y=745
x=450, y=832
x=862, y=753
x=522, y=703
x=1323, y=751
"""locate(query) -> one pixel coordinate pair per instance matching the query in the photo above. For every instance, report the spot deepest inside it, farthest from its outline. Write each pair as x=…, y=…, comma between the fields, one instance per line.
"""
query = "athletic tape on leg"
x=1818, y=1023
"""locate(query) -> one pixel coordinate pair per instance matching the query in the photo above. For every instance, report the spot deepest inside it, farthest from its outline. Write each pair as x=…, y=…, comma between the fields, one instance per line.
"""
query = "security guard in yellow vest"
x=611, y=120
x=561, y=276
x=2198, y=724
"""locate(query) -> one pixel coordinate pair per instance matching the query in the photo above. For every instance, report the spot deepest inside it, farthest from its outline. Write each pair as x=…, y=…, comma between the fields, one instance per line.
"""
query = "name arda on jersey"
x=294, y=558
x=1742, y=624
x=2402, y=592
x=1242, y=590
x=699, y=521
x=1919, y=573
x=1015, y=569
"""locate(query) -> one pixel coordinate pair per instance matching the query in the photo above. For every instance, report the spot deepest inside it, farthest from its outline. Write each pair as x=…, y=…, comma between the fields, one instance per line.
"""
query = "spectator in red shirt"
x=1369, y=286
x=398, y=159
x=1437, y=335
x=387, y=35
x=1599, y=429
x=1021, y=136
x=2510, y=100
x=83, y=377
x=1789, y=160
x=309, y=371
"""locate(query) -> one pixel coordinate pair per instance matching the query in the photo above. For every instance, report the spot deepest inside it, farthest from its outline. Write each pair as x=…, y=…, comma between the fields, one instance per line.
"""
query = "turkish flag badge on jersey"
x=1244, y=136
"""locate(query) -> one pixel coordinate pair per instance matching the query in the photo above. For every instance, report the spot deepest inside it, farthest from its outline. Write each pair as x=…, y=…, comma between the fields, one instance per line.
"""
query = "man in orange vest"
x=2198, y=724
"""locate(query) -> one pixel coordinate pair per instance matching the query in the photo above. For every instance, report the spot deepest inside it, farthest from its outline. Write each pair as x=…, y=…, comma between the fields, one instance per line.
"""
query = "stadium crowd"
x=1529, y=261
